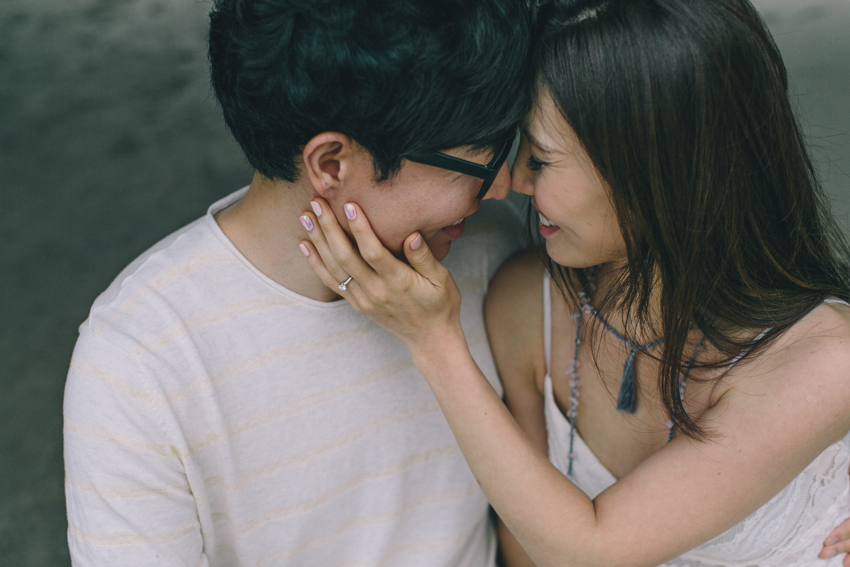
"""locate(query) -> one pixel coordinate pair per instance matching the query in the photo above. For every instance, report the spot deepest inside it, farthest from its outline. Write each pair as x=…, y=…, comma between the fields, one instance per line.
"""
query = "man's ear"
x=330, y=160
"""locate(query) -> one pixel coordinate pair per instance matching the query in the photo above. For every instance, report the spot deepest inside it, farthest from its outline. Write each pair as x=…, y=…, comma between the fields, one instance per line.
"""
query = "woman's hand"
x=420, y=303
x=838, y=541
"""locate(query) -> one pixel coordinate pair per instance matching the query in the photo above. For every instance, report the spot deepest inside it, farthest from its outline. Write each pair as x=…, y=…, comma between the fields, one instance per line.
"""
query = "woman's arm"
x=784, y=410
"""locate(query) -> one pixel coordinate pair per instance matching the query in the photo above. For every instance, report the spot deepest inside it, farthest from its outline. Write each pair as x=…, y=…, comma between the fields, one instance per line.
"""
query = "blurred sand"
x=109, y=140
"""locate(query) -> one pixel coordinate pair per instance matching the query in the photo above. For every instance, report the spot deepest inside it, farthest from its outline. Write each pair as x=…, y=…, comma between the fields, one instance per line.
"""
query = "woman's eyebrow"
x=535, y=141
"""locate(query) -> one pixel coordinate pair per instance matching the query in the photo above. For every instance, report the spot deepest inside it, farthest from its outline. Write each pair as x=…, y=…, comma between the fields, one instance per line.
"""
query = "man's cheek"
x=390, y=239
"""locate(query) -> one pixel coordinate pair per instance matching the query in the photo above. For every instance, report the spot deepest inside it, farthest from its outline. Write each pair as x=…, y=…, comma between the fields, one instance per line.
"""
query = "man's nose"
x=519, y=179
x=501, y=185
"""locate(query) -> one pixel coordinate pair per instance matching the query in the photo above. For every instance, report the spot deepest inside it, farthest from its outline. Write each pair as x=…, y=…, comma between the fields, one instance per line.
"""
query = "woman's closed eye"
x=534, y=164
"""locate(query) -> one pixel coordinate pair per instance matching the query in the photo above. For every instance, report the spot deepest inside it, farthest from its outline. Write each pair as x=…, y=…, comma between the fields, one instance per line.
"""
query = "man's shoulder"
x=172, y=257
x=163, y=283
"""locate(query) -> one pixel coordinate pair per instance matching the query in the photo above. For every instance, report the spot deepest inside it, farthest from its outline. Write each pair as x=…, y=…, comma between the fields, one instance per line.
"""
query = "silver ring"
x=344, y=285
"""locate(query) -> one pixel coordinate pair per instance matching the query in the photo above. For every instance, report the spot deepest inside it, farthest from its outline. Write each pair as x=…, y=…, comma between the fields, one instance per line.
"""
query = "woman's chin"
x=571, y=257
x=568, y=256
x=557, y=254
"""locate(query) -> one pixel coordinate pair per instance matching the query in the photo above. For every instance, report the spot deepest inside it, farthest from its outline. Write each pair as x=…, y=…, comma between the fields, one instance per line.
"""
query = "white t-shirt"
x=214, y=417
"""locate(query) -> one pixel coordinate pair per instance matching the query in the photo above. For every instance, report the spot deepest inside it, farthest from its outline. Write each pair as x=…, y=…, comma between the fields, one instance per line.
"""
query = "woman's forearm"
x=513, y=555
x=534, y=500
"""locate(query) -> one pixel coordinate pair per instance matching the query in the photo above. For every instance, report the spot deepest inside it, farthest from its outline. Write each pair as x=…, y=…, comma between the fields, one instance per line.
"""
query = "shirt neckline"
x=213, y=226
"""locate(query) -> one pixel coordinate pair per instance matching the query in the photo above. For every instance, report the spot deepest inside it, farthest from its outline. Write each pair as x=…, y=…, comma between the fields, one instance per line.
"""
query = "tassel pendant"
x=627, y=398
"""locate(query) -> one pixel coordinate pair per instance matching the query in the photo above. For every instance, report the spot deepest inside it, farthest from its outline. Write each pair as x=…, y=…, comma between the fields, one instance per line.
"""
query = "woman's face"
x=576, y=215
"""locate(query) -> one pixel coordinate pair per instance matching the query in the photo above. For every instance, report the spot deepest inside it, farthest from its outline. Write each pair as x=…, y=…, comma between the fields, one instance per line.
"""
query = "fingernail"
x=831, y=541
x=829, y=553
x=304, y=249
x=308, y=224
x=350, y=212
x=417, y=242
x=317, y=208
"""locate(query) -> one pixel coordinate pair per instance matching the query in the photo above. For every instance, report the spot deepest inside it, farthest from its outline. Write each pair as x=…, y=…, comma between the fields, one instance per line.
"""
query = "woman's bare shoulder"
x=820, y=340
x=515, y=295
x=810, y=364
x=513, y=311
x=830, y=319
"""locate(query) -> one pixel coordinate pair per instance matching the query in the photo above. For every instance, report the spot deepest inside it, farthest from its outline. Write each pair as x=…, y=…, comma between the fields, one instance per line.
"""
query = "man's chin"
x=438, y=249
x=441, y=249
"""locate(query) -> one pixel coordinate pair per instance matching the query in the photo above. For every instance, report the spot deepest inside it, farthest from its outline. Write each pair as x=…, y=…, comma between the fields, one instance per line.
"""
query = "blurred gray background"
x=110, y=140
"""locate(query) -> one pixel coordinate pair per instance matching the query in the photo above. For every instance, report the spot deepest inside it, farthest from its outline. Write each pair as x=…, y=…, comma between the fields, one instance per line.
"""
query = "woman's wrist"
x=439, y=348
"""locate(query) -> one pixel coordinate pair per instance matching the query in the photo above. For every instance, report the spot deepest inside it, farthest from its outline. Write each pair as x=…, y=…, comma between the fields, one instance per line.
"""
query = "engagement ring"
x=344, y=285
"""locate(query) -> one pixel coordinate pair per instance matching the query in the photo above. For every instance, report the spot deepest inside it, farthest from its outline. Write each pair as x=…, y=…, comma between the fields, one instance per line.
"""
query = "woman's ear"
x=330, y=159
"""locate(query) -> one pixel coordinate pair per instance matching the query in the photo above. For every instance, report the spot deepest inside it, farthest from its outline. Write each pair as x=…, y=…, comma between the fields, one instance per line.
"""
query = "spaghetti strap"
x=547, y=319
x=835, y=300
x=741, y=354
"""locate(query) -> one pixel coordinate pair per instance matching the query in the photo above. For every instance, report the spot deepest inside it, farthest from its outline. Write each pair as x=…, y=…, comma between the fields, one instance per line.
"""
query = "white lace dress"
x=787, y=531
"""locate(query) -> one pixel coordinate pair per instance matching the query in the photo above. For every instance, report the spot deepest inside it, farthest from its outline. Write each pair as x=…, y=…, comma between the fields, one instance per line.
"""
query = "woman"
x=684, y=361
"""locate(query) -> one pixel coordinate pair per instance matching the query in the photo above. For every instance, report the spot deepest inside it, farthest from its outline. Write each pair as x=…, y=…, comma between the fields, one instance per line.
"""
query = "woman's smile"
x=547, y=228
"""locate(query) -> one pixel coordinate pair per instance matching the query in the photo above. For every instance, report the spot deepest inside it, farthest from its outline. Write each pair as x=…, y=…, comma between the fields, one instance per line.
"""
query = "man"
x=223, y=407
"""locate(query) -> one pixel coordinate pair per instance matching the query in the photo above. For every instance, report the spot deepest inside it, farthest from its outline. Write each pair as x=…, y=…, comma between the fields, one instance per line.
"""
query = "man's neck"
x=264, y=226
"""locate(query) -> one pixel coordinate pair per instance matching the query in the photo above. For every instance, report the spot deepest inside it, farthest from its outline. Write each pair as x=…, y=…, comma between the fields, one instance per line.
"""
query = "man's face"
x=427, y=199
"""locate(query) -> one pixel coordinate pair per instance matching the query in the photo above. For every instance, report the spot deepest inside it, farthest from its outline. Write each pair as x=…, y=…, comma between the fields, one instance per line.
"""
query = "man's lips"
x=455, y=230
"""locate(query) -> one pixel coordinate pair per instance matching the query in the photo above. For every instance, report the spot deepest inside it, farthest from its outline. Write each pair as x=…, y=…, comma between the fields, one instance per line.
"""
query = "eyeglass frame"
x=487, y=172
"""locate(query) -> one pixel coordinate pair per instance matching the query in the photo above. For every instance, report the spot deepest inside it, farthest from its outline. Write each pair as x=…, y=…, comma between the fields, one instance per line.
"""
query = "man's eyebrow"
x=473, y=151
x=535, y=141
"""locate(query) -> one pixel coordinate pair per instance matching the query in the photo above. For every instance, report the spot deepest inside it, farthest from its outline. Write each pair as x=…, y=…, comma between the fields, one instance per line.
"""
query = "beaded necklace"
x=627, y=396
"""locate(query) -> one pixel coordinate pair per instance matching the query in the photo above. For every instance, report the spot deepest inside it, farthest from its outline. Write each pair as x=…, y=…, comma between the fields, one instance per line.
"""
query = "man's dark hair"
x=399, y=77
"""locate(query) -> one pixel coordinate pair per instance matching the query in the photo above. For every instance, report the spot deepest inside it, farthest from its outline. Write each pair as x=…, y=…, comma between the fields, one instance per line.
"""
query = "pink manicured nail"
x=350, y=212
x=417, y=242
x=304, y=249
x=308, y=224
x=829, y=553
x=831, y=541
x=317, y=208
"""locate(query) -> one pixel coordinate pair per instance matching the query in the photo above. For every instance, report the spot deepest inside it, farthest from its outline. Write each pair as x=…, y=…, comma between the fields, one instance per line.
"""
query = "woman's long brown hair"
x=683, y=107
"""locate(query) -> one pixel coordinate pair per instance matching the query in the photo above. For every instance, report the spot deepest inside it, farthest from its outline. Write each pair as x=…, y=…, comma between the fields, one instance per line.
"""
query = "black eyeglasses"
x=486, y=172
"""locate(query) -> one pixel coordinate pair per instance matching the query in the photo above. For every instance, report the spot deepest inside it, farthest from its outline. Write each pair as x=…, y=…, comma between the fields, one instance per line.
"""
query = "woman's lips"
x=547, y=228
x=455, y=230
